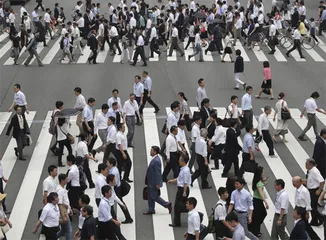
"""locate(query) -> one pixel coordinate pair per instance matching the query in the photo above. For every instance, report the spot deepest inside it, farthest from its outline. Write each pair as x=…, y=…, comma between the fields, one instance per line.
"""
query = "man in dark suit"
x=204, y=112
x=320, y=152
x=93, y=45
x=153, y=181
x=232, y=149
x=20, y=129
x=299, y=230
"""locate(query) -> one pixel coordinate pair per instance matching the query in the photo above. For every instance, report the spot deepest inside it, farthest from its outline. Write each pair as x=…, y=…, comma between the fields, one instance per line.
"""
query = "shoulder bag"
x=285, y=114
x=70, y=138
x=210, y=227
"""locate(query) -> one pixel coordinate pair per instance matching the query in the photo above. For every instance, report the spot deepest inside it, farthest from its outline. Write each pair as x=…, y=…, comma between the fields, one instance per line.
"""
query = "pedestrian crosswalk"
x=290, y=162
x=51, y=54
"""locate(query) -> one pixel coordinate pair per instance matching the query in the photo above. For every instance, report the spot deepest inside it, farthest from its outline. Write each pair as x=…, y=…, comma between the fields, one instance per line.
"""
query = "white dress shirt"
x=129, y=108
x=49, y=185
x=195, y=132
x=263, y=122
x=112, y=113
x=310, y=105
x=104, y=210
x=302, y=198
x=121, y=139
x=297, y=34
x=197, y=39
x=73, y=176
x=219, y=135
x=22, y=10
x=99, y=183
x=175, y=32
x=62, y=131
x=63, y=197
x=132, y=22
x=184, y=177
x=138, y=89
x=172, y=120
x=113, y=100
x=113, y=32
x=101, y=122
x=246, y=103
x=278, y=108
x=314, y=178
x=242, y=200
x=200, y=95
x=171, y=145
x=147, y=83
x=140, y=41
x=282, y=202
x=112, y=132
x=47, y=18
x=236, y=111
x=193, y=222
x=82, y=149
x=50, y=215
x=81, y=22
x=220, y=212
x=20, y=99
x=153, y=34
x=114, y=198
x=201, y=147
x=80, y=102
x=88, y=113
x=181, y=137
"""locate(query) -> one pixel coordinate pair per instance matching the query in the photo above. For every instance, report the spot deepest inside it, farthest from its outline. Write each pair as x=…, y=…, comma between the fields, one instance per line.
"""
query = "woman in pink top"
x=266, y=86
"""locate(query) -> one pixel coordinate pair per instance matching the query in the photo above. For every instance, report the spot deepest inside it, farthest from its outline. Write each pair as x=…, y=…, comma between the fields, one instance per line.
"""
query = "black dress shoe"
x=157, y=110
x=131, y=146
x=148, y=213
x=207, y=187
x=144, y=65
x=128, y=180
x=16, y=151
x=92, y=185
x=175, y=225
x=127, y=221
x=22, y=158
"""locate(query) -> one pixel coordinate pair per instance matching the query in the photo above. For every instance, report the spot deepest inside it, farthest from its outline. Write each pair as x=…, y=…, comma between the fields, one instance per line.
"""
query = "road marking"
x=86, y=54
x=315, y=56
x=260, y=55
x=302, y=122
x=5, y=49
x=227, y=56
x=188, y=51
x=117, y=57
x=321, y=44
x=53, y=52
x=102, y=54
x=207, y=57
x=279, y=56
x=4, y=118
x=295, y=54
x=24, y=199
x=9, y=158
x=162, y=218
x=173, y=58
x=39, y=49
x=3, y=36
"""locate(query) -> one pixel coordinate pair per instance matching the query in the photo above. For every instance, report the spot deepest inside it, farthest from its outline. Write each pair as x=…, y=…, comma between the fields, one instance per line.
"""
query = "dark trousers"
x=229, y=159
x=1, y=191
x=202, y=171
x=107, y=230
x=21, y=143
x=180, y=205
x=311, y=233
x=218, y=154
x=140, y=51
x=106, y=39
x=110, y=148
x=73, y=195
x=115, y=41
x=63, y=143
x=245, y=157
x=258, y=216
x=296, y=45
x=138, y=101
x=48, y=29
x=97, y=201
x=125, y=211
x=130, y=122
x=53, y=147
x=175, y=45
x=50, y=232
x=271, y=44
x=117, y=229
x=248, y=117
x=316, y=217
x=172, y=164
x=39, y=4
x=124, y=164
x=94, y=56
x=147, y=99
x=90, y=135
x=193, y=156
x=269, y=141
x=153, y=47
x=87, y=172
x=221, y=230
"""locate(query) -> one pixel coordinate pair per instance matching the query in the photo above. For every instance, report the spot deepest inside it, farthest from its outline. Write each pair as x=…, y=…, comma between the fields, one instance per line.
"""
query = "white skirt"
x=282, y=127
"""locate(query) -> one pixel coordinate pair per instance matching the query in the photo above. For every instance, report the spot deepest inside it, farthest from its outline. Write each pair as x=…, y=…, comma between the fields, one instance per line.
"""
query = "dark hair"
x=156, y=149
x=112, y=161
x=173, y=128
x=82, y=137
x=238, y=52
x=192, y=201
x=109, y=178
x=173, y=105
x=51, y=168
x=85, y=199
x=58, y=104
x=323, y=132
x=233, y=97
x=233, y=122
x=71, y=158
x=249, y=127
x=17, y=85
x=51, y=197
x=115, y=90
x=62, y=176
x=120, y=125
x=105, y=189
x=280, y=182
x=183, y=96
x=241, y=181
x=315, y=95
x=61, y=121
x=196, y=118
x=114, y=104
x=311, y=161
x=145, y=72
x=91, y=100
x=138, y=77
x=105, y=106
x=257, y=177
x=200, y=80
x=112, y=119
x=78, y=89
x=232, y=217
x=101, y=167
x=205, y=100
x=301, y=212
x=248, y=88
x=221, y=191
x=182, y=122
x=88, y=209
x=266, y=64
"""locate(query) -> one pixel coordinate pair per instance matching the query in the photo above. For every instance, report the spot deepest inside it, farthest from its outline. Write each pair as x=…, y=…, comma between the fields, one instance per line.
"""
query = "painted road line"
x=4, y=118
x=279, y=56
x=155, y=57
x=117, y=58
x=24, y=200
x=302, y=122
x=9, y=158
x=162, y=218
x=188, y=51
x=173, y=58
x=196, y=192
x=3, y=36
x=295, y=54
x=5, y=49
x=10, y=60
x=86, y=54
x=207, y=57
x=227, y=56
x=102, y=54
x=259, y=54
x=314, y=55
x=322, y=118
x=53, y=52
x=243, y=52
x=321, y=45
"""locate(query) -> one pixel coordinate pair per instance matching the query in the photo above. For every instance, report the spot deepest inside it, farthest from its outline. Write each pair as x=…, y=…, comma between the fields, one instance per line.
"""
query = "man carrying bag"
x=248, y=158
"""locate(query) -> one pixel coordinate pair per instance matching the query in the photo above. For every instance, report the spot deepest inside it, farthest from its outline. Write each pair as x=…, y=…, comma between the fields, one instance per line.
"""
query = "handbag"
x=249, y=166
x=145, y=193
x=285, y=114
x=164, y=129
x=125, y=188
x=65, y=212
x=70, y=138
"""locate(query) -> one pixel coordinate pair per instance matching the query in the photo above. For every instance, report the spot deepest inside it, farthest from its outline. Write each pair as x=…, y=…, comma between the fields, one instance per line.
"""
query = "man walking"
x=201, y=92
x=88, y=124
x=101, y=128
x=139, y=93
x=93, y=45
x=246, y=105
x=147, y=96
x=19, y=99
x=297, y=42
x=31, y=48
x=175, y=41
x=238, y=69
x=320, y=153
x=153, y=181
x=79, y=105
x=20, y=128
x=139, y=50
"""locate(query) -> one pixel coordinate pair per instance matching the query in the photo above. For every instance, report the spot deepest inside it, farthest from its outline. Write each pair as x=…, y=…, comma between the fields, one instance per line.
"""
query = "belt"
x=311, y=113
x=240, y=211
x=280, y=214
x=247, y=110
x=130, y=116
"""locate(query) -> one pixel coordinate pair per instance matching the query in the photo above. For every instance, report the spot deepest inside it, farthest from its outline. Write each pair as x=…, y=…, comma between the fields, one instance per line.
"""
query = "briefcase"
x=249, y=166
x=145, y=193
x=125, y=188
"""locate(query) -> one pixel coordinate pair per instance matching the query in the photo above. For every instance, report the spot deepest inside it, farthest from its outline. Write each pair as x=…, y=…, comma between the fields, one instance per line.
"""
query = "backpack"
x=53, y=125
x=211, y=228
x=62, y=43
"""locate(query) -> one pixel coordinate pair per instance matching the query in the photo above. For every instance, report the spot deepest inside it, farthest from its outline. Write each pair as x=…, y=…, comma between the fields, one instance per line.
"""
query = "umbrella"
x=217, y=20
x=200, y=15
x=69, y=112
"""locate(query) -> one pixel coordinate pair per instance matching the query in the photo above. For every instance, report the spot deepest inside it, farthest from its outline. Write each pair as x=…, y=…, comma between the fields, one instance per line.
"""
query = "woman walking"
x=228, y=43
x=184, y=110
x=266, y=86
x=259, y=199
x=62, y=138
x=282, y=124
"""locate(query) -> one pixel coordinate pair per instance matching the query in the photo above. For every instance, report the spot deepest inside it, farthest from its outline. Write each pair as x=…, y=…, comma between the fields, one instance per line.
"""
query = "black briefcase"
x=145, y=193
x=125, y=188
x=249, y=166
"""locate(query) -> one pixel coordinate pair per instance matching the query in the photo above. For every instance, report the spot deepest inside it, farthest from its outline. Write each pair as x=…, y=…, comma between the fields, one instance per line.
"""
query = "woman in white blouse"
x=184, y=110
x=3, y=217
x=62, y=138
x=282, y=125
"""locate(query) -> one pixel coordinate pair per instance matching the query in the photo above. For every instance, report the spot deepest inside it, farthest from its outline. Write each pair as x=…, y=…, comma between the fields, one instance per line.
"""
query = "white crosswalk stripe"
x=53, y=51
x=28, y=188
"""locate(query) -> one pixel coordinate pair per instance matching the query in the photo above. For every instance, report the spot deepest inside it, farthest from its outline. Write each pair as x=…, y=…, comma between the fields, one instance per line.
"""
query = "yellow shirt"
x=302, y=28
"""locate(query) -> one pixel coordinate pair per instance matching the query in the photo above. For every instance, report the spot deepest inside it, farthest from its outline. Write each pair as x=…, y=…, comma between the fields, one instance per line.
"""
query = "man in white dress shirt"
x=47, y=22
x=246, y=105
x=73, y=182
x=114, y=36
x=100, y=181
x=195, y=133
x=311, y=107
x=88, y=124
x=139, y=93
x=101, y=128
x=201, y=92
x=154, y=47
x=19, y=99
x=111, y=100
x=193, y=220
x=198, y=47
x=175, y=41
x=110, y=139
x=79, y=105
x=139, y=50
x=263, y=130
x=50, y=184
x=147, y=81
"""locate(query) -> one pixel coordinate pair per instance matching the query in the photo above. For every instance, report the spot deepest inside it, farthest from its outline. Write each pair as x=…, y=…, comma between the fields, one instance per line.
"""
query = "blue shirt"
x=88, y=113
x=248, y=141
x=246, y=102
x=116, y=173
x=242, y=200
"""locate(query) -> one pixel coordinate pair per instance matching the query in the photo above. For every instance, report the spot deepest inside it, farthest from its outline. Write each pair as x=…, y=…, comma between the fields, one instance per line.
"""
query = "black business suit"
x=232, y=149
x=18, y=133
x=319, y=155
x=299, y=231
x=204, y=116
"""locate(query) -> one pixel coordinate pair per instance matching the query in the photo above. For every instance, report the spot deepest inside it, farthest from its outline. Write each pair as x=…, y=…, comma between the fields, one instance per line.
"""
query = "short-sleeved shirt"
x=256, y=192
x=89, y=228
x=20, y=99
x=82, y=149
x=310, y=105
